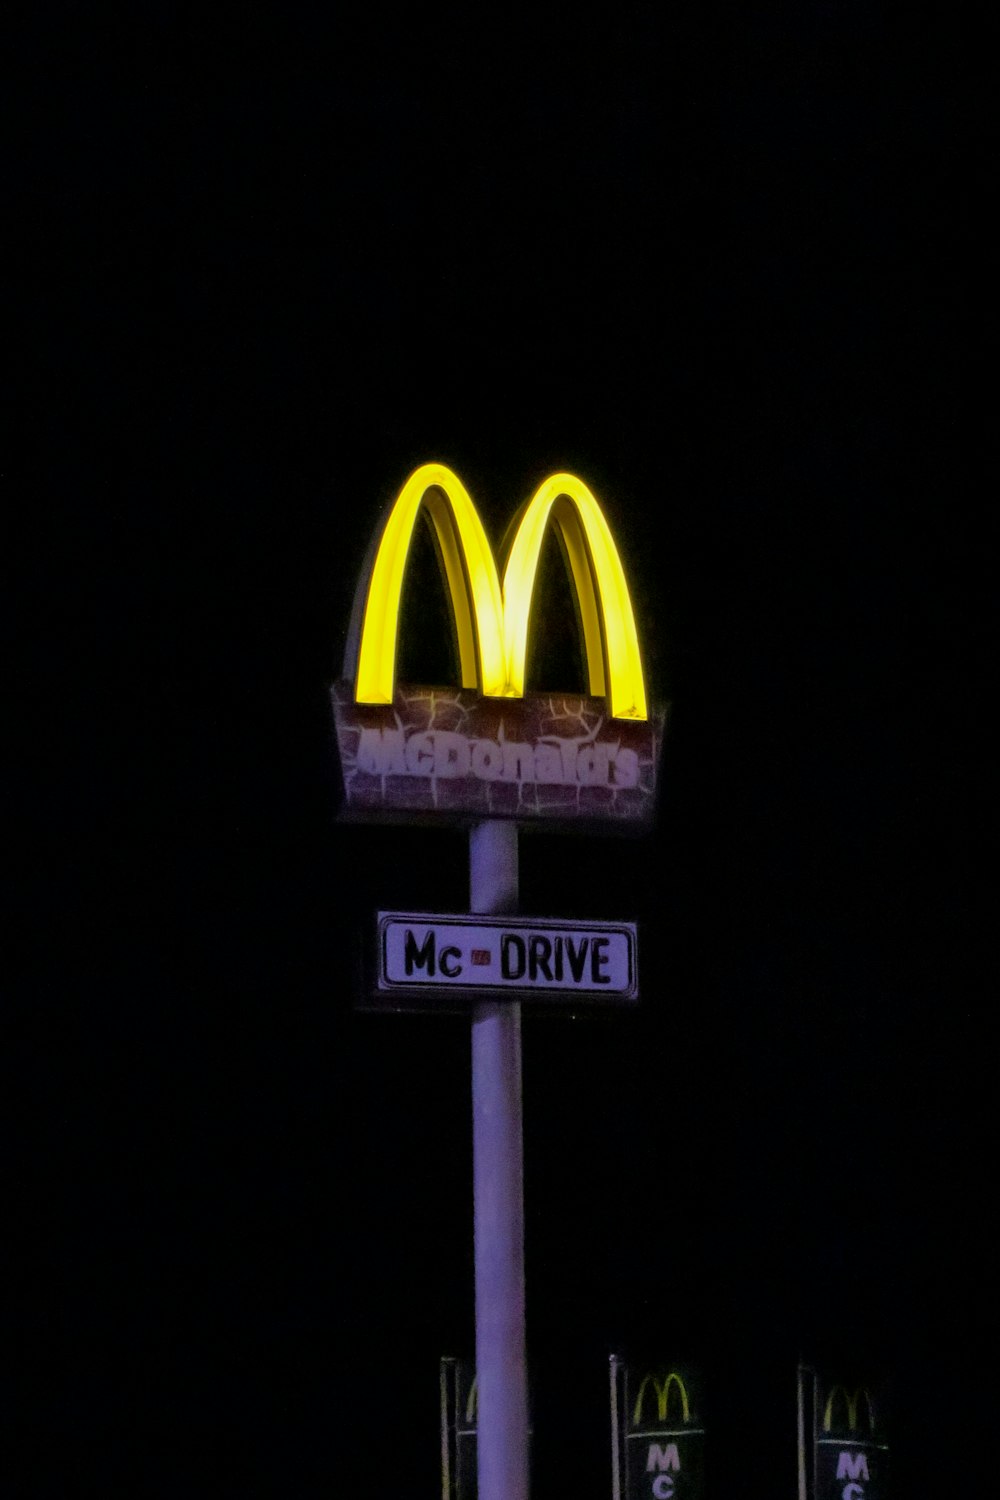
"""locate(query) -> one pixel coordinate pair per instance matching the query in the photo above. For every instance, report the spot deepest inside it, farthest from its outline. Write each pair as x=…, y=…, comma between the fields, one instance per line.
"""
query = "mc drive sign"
x=523, y=956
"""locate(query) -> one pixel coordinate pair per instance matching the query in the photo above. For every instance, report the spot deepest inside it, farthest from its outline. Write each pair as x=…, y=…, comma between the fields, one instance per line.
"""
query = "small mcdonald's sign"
x=658, y=1432
x=850, y=1448
x=459, y=1406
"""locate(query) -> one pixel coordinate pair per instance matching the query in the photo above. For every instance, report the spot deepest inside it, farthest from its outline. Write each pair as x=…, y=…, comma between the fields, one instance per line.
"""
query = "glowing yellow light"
x=593, y=559
x=662, y=1390
x=492, y=636
x=851, y=1402
x=462, y=541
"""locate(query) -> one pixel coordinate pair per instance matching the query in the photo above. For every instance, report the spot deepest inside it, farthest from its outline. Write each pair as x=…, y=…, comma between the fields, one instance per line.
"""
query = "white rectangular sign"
x=417, y=951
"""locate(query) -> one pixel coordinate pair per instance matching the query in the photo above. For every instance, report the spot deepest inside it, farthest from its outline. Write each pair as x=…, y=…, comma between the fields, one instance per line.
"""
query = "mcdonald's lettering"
x=852, y=1466
x=486, y=745
x=444, y=754
x=659, y=1459
x=423, y=957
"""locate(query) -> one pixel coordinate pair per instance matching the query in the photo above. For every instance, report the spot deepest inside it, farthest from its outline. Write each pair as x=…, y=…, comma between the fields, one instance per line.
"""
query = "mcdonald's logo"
x=658, y=1436
x=487, y=747
x=662, y=1389
x=851, y=1404
x=850, y=1439
x=491, y=618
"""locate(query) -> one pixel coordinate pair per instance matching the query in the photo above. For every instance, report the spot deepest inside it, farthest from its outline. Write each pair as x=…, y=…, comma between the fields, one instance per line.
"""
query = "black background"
x=708, y=257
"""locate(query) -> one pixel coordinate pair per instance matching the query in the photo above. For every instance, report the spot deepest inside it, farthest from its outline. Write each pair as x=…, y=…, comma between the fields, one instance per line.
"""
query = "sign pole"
x=485, y=751
x=498, y=1186
x=801, y=1433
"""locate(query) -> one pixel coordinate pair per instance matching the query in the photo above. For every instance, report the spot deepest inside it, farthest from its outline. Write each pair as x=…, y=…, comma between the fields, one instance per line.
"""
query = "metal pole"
x=801, y=1434
x=498, y=1184
x=616, y=1482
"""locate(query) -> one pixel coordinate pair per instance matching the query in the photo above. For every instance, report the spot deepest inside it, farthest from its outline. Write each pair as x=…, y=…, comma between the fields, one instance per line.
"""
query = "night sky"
x=707, y=256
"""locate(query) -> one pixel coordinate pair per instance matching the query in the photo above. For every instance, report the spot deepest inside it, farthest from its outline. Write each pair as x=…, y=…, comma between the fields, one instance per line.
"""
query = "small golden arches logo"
x=852, y=1404
x=662, y=1387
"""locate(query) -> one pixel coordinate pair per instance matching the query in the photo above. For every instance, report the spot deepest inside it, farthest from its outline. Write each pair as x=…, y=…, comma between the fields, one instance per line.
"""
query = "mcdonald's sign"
x=459, y=1405
x=484, y=747
x=459, y=1413
x=850, y=1445
x=658, y=1433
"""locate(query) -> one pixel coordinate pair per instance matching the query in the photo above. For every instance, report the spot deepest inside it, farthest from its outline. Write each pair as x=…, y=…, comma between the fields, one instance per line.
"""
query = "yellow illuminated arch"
x=662, y=1389
x=493, y=634
x=593, y=560
x=851, y=1403
x=462, y=540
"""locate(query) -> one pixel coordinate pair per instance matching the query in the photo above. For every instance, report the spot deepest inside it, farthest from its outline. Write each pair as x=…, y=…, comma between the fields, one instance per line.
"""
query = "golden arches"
x=493, y=633
x=851, y=1402
x=662, y=1389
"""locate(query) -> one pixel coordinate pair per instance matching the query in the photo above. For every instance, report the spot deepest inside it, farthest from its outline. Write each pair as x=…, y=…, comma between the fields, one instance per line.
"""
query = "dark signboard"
x=850, y=1442
x=658, y=1432
x=447, y=753
x=459, y=1429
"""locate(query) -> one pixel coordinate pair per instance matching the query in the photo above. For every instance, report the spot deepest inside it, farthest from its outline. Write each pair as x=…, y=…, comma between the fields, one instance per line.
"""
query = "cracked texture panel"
x=447, y=753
